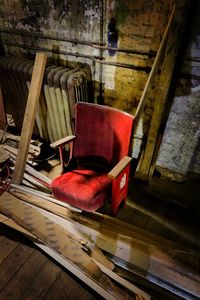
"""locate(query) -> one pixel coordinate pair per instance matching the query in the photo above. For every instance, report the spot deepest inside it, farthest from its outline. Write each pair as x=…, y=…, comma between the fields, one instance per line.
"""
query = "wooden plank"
x=107, y=224
x=105, y=269
x=106, y=235
x=60, y=240
x=9, y=222
x=42, y=195
x=98, y=222
x=168, y=66
x=53, y=254
x=29, y=117
x=145, y=257
x=140, y=294
x=76, y=271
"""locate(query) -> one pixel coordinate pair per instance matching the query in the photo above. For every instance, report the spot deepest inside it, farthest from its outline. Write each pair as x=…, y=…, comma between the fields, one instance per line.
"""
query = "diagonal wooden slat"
x=29, y=117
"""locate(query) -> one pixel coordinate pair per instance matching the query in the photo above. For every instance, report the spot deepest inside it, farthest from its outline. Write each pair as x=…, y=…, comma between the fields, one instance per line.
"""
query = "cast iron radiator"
x=62, y=88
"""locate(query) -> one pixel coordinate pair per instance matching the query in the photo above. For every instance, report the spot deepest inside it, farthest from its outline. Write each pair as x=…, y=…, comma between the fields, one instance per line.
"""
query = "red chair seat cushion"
x=85, y=189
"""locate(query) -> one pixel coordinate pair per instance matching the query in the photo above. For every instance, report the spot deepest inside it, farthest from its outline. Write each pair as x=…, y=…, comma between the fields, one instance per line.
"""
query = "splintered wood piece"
x=29, y=116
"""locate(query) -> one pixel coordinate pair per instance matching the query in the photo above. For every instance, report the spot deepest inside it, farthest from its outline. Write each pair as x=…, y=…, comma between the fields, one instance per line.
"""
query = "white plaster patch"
x=109, y=73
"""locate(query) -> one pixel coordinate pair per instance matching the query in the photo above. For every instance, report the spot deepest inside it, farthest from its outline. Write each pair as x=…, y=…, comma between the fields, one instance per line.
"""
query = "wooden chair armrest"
x=114, y=173
x=63, y=141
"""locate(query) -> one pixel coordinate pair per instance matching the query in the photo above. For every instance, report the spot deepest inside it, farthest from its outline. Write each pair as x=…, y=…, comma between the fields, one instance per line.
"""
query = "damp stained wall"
x=139, y=25
x=76, y=28
x=179, y=155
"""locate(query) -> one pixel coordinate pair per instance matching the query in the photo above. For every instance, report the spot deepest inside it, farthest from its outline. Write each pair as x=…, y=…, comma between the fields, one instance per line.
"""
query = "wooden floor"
x=27, y=273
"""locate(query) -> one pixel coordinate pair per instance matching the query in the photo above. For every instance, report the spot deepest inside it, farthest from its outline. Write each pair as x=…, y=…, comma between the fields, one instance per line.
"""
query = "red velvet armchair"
x=98, y=168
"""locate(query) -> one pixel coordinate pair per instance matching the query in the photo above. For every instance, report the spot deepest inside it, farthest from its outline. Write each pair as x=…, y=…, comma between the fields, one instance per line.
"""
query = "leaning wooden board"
x=58, y=239
x=29, y=117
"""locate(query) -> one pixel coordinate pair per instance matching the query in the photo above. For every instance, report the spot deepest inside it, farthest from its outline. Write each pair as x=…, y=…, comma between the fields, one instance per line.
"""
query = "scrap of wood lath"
x=39, y=177
x=63, y=242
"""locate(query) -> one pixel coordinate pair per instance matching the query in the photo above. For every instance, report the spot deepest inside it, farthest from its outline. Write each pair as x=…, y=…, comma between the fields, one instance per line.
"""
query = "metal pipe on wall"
x=99, y=46
x=94, y=58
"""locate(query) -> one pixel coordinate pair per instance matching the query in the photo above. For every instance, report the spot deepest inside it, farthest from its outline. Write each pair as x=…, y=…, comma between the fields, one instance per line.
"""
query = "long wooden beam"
x=168, y=65
x=29, y=116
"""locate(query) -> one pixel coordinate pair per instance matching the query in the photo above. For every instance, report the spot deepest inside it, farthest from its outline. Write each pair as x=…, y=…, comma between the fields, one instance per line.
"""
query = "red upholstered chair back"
x=102, y=132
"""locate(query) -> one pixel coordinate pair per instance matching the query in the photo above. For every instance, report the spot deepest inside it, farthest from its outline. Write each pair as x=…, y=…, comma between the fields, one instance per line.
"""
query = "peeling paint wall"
x=137, y=25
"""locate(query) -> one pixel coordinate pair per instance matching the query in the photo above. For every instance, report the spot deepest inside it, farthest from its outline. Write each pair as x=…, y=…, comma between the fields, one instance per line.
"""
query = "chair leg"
x=124, y=202
x=115, y=209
